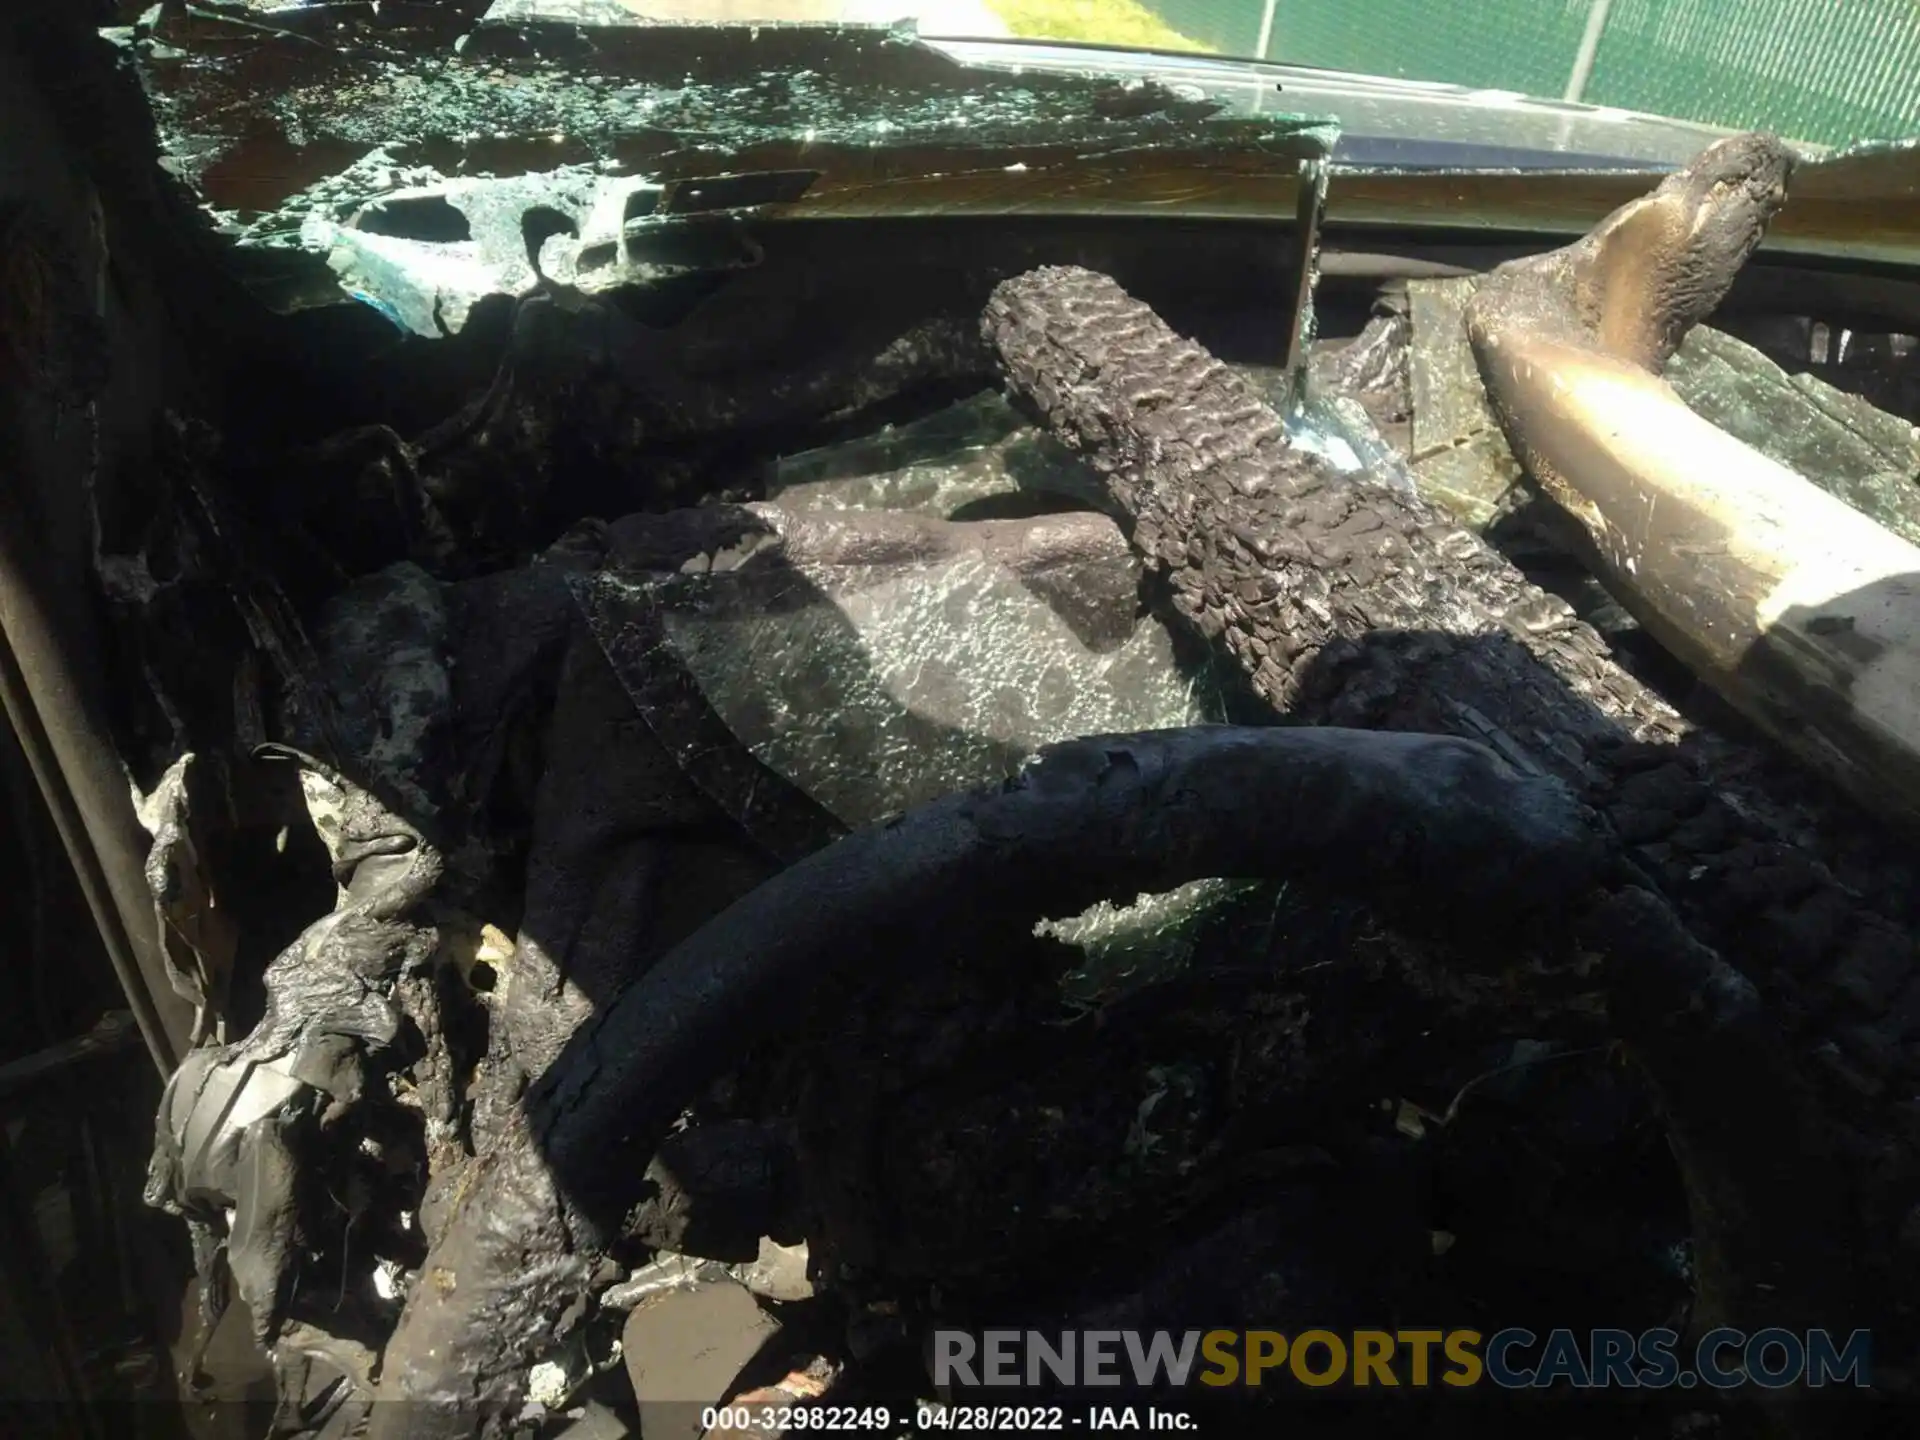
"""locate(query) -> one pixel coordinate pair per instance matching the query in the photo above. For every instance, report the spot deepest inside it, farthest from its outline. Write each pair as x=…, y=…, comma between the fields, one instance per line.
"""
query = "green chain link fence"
x=1829, y=71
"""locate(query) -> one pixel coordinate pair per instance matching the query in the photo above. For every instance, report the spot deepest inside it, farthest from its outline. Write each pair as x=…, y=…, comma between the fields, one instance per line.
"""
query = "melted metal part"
x=1800, y=611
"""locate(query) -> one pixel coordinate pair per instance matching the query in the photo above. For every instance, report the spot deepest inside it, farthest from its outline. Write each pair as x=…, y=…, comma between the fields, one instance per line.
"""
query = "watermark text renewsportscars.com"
x=1515, y=1358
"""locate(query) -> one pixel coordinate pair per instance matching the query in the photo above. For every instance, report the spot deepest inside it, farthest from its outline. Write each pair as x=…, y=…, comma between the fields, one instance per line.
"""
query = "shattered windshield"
x=1813, y=71
x=726, y=718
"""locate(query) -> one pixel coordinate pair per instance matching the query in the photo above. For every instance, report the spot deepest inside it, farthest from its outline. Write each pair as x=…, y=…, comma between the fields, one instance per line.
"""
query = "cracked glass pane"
x=970, y=461
x=877, y=688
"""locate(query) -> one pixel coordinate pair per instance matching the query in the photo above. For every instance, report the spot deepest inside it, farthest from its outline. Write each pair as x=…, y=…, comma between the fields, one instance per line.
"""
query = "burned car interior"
x=687, y=700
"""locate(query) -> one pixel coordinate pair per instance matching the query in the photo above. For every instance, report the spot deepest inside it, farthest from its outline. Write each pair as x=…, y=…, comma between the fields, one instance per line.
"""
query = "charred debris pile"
x=765, y=704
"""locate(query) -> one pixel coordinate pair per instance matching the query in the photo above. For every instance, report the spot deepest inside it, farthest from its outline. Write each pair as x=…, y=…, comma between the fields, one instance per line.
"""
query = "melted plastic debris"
x=198, y=938
x=665, y=1273
x=384, y=643
x=238, y=1132
x=777, y=1272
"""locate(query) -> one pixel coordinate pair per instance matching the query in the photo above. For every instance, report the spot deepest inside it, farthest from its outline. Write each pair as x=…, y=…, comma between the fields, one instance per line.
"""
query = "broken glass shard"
x=968, y=461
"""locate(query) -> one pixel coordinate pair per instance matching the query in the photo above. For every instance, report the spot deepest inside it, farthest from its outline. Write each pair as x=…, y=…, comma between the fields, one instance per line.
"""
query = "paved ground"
x=967, y=18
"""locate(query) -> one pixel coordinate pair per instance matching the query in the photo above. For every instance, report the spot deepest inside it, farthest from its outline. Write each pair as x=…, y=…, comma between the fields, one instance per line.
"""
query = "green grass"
x=1091, y=22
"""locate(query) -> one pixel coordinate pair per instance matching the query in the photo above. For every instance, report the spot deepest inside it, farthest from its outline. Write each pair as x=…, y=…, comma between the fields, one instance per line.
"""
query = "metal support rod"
x=1589, y=47
x=1309, y=205
x=87, y=794
x=1261, y=46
